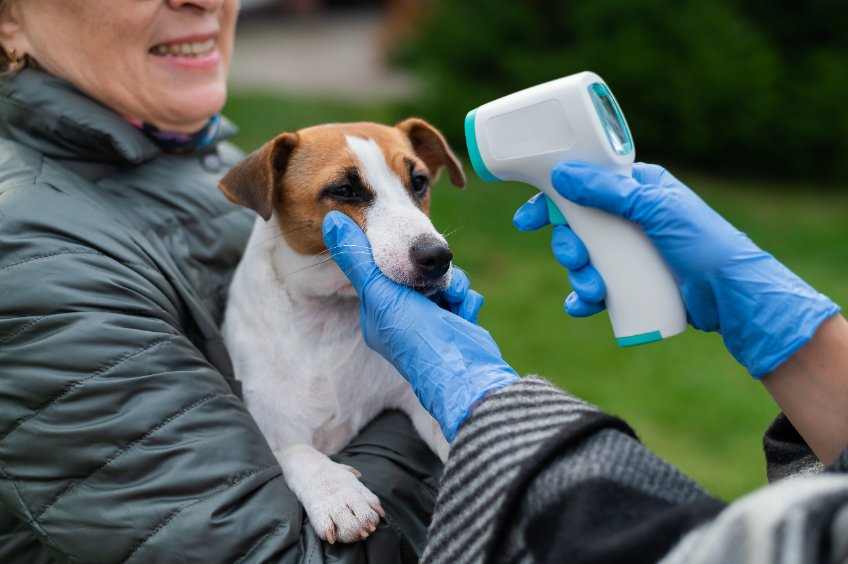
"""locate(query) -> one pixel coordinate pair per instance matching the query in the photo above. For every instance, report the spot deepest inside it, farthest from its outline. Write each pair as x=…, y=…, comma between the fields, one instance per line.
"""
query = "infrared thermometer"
x=522, y=136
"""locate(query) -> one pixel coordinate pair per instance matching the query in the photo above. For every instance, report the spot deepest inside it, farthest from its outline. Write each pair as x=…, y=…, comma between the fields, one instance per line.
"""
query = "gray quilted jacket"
x=122, y=435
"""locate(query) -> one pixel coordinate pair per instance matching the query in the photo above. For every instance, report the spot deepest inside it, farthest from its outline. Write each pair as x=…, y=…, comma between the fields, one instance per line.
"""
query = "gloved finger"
x=459, y=298
x=575, y=307
x=470, y=308
x=588, y=284
x=589, y=185
x=646, y=173
x=568, y=248
x=349, y=247
x=458, y=287
x=532, y=215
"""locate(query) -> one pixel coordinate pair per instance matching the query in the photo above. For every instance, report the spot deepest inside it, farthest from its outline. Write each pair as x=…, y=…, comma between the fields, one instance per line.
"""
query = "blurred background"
x=743, y=99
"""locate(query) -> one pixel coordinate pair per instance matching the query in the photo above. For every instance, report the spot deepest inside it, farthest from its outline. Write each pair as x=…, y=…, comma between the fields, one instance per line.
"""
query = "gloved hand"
x=450, y=362
x=763, y=311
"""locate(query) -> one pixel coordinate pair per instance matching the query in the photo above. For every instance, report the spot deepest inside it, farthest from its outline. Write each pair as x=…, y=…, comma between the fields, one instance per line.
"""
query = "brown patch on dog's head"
x=300, y=177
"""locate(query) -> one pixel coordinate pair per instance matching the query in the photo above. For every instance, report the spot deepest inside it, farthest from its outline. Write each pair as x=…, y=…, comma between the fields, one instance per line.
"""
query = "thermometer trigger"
x=554, y=214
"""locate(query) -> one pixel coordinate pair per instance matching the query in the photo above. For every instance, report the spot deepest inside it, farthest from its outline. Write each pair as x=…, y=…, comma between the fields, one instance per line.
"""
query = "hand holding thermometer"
x=522, y=136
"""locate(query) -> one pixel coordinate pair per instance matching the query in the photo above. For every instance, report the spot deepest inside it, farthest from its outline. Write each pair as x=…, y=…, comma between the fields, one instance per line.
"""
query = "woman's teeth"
x=184, y=49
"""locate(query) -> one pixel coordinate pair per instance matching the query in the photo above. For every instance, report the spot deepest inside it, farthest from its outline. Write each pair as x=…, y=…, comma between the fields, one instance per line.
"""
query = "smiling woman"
x=159, y=62
x=123, y=436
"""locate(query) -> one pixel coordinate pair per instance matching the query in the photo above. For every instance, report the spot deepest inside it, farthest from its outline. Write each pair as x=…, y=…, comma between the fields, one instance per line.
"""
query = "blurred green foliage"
x=754, y=86
x=687, y=398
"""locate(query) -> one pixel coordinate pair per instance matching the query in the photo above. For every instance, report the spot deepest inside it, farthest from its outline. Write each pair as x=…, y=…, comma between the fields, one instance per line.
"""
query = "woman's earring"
x=16, y=62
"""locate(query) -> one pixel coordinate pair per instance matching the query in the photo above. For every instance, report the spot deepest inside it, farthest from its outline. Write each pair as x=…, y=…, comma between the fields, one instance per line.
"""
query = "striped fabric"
x=505, y=430
x=537, y=475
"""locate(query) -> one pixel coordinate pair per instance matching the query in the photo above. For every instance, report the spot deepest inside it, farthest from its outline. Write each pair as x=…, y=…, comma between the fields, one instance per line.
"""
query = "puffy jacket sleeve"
x=119, y=442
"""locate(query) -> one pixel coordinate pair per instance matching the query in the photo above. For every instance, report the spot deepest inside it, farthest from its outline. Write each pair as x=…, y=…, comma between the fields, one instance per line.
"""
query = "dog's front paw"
x=339, y=506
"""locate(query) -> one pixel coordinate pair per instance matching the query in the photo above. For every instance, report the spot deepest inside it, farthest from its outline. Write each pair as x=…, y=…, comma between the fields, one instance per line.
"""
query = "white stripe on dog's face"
x=393, y=221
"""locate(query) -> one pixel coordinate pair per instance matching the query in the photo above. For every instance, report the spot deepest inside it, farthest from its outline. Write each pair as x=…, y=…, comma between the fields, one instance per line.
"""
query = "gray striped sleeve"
x=802, y=520
x=504, y=431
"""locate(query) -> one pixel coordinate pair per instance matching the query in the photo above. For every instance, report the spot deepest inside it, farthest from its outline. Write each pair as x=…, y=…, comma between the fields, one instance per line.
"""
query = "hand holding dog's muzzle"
x=450, y=362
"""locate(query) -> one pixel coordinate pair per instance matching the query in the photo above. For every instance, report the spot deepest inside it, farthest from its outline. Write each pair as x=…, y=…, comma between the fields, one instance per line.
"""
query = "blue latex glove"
x=763, y=311
x=450, y=362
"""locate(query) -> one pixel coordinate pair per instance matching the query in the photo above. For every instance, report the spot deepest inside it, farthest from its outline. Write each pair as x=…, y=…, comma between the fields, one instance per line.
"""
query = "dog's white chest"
x=326, y=391
x=306, y=373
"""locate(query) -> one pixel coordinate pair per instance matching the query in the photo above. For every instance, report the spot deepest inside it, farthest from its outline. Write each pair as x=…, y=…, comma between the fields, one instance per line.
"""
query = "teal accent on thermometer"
x=554, y=215
x=642, y=339
x=477, y=162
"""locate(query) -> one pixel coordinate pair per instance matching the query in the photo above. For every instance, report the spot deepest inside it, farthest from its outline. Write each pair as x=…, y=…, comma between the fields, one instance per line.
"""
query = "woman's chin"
x=190, y=90
x=187, y=110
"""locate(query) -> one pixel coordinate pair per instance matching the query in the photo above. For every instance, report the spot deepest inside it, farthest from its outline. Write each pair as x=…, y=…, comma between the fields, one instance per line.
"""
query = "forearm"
x=811, y=388
x=530, y=449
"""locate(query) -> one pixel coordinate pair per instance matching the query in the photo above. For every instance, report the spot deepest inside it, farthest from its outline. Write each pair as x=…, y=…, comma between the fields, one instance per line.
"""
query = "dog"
x=292, y=320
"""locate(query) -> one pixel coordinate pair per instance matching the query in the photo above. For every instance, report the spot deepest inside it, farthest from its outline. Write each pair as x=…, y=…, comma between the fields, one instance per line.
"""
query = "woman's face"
x=164, y=62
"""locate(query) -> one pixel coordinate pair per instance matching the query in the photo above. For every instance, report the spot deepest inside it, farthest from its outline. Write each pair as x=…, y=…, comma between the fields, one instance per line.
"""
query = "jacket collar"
x=49, y=115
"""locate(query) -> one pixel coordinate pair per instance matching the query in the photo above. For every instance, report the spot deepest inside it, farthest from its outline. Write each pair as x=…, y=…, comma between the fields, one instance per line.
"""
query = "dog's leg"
x=427, y=427
x=339, y=506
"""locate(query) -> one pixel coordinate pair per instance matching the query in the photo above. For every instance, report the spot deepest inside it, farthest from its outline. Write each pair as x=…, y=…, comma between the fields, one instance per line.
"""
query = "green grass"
x=687, y=398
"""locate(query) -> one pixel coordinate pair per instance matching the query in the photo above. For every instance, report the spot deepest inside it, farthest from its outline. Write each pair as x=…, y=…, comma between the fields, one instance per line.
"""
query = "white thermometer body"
x=522, y=136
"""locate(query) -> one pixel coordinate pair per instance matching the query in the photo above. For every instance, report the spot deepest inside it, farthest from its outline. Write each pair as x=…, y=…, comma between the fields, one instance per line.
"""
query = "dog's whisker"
x=345, y=245
x=347, y=251
x=344, y=249
x=354, y=253
x=355, y=266
x=299, y=270
x=320, y=263
x=282, y=233
x=451, y=232
x=351, y=245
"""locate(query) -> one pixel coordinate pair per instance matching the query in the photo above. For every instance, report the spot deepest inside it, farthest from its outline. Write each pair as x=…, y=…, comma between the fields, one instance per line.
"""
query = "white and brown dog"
x=292, y=320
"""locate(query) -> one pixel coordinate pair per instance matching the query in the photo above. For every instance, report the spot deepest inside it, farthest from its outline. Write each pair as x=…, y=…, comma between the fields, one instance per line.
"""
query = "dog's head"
x=378, y=175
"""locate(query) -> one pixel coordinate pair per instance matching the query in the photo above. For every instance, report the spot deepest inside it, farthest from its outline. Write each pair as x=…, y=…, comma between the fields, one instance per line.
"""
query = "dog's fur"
x=292, y=321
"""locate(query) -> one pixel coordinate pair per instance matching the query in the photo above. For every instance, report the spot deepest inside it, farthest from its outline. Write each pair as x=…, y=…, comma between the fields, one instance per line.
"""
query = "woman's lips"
x=184, y=49
x=190, y=53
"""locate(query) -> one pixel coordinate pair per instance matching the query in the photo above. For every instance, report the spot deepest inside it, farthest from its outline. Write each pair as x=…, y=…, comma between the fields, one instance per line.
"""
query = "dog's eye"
x=348, y=188
x=346, y=192
x=420, y=183
x=343, y=191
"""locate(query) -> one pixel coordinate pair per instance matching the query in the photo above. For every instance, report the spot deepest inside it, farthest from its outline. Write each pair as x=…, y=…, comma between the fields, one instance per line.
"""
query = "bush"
x=754, y=85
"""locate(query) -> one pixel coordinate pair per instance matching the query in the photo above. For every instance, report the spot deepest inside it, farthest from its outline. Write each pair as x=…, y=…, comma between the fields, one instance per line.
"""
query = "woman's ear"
x=13, y=40
x=430, y=146
x=255, y=181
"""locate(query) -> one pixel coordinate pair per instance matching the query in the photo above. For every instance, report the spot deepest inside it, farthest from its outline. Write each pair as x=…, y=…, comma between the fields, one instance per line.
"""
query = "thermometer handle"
x=643, y=300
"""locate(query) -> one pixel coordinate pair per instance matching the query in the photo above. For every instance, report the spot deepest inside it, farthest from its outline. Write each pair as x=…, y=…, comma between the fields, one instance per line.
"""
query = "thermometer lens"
x=612, y=120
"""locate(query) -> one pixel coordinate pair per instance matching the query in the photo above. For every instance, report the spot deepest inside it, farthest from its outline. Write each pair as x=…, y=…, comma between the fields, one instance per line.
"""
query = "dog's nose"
x=430, y=256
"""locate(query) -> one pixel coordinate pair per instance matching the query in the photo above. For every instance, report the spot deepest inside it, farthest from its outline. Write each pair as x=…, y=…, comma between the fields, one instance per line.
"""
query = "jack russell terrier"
x=292, y=320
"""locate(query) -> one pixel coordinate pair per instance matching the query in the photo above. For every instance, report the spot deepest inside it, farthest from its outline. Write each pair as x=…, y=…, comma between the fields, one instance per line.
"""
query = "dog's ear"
x=430, y=146
x=253, y=182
